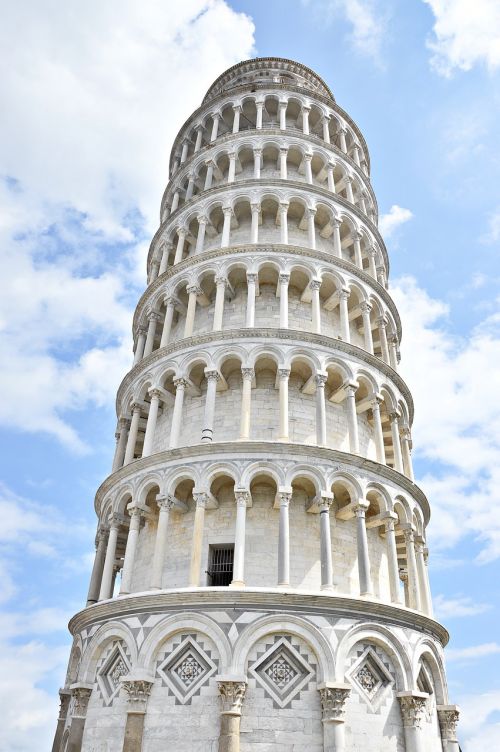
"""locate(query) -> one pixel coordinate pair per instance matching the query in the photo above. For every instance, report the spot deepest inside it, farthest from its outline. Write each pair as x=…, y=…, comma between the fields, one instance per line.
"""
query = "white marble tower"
x=261, y=515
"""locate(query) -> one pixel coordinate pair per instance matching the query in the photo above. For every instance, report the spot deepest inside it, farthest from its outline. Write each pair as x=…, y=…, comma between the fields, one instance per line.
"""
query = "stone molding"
x=270, y=248
x=277, y=601
x=258, y=450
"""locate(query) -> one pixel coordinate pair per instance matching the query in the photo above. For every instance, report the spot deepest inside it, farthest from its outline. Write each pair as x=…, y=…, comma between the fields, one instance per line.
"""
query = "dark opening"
x=220, y=565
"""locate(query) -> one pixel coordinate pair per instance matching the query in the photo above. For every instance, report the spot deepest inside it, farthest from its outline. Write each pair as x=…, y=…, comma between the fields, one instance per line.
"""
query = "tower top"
x=261, y=70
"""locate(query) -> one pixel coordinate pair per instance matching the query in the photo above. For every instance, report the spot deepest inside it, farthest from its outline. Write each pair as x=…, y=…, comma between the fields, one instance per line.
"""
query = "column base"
x=237, y=584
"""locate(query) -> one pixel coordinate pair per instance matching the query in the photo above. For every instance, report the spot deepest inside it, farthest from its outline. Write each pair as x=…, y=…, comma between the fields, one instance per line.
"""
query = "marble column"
x=352, y=416
x=248, y=375
x=181, y=237
x=80, y=694
x=231, y=695
x=207, y=432
x=220, y=293
x=308, y=168
x=284, y=539
x=226, y=228
x=254, y=231
x=283, y=375
x=97, y=569
x=209, y=176
x=342, y=140
x=406, y=451
x=184, y=152
x=166, y=250
x=382, y=333
x=137, y=692
x=190, y=188
x=165, y=504
x=325, y=542
x=152, y=420
x=153, y=319
x=326, y=128
x=345, y=333
x=175, y=202
x=337, y=243
x=356, y=238
x=199, y=136
x=422, y=578
x=107, y=580
x=64, y=701
x=200, y=237
x=132, y=434
x=283, y=165
x=448, y=716
x=396, y=442
x=200, y=499
x=257, y=158
x=139, y=348
x=242, y=497
x=330, y=176
x=232, y=167
x=236, y=119
x=320, y=380
x=311, y=228
x=333, y=697
x=175, y=429
x=121, y=444
x=412, y=705
x=283, y=210
x=284, y=279
x=315, y=285
x=193, y=291
x=365, y=580
x=215, y=126
x=348, y=188
x=372, y=266
x=305, y=119
x=250, y=313
x=367, y=326
x=392, y=556
x=377, y=429
x=259, y=106
x=413, y=590
x=282, y=107
x=136, y=513
x=170, y=303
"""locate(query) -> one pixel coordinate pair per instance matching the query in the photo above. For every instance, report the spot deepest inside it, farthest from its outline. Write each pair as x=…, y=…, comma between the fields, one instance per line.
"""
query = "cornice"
x=250, y=250
x=229, y=137
x=308, y=604
x=267, y=449
x=240, y=185
x=258, y=334
x=271, y=88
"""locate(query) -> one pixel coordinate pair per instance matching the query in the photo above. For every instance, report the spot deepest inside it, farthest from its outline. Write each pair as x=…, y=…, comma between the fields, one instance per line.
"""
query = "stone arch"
x=426, y=650
x=180, y=474
x=184, y=621
x=105, y=635
x=313, y=474
x=288, y=624
x=262, y=468
x=385, y=639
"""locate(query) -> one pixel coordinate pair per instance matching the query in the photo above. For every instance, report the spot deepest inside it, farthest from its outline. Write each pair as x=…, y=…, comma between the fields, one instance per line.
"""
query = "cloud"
x=366, y=18
x=447, y=608
x=472, y=653
x=493, y=234
x=456, y=424
x=465, y=33
x=92, y=101
x=395, y=217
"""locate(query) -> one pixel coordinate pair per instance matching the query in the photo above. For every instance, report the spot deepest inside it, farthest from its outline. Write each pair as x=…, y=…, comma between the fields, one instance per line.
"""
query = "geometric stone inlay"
x=110, y=673
x=282, y=671
x=186, y=669
x=370, y=676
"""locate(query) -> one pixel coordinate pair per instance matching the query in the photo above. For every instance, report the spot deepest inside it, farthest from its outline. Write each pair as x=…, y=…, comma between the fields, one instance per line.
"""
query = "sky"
x=92, y=97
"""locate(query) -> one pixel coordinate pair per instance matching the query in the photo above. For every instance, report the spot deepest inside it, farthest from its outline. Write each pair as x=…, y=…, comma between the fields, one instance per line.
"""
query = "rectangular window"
x=220, y=565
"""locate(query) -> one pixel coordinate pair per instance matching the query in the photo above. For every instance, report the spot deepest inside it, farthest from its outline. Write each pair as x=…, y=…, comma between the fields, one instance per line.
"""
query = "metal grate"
x=220, y=566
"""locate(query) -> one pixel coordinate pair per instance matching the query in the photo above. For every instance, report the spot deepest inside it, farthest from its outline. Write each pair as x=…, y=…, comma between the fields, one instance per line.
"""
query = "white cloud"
x=367, y=19
x=493, y=234
x=395, y=217
x=92, y=101
x=455, y=383
x=472, y=653
x=447, y=608
x=465, y=33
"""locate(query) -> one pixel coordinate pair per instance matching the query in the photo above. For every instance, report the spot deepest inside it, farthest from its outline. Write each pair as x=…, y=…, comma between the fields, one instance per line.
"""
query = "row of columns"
x=356, y=150
x=388, y=344
x=416, y=575
x=401, y=437
x=232, y=691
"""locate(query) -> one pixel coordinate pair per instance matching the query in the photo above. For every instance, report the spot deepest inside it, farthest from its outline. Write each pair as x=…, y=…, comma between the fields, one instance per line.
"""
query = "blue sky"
x=92, y=97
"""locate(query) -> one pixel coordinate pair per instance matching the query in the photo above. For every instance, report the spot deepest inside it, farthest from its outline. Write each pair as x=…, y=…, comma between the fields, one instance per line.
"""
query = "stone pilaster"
x=137, y=691
x=231, y=694
x=333, y=697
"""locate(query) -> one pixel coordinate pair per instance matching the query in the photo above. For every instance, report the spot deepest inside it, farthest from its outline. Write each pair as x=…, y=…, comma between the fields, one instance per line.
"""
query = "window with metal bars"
x=220, y=565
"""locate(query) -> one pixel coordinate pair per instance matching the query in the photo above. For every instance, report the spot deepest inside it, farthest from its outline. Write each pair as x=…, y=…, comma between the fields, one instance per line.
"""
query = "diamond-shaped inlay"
x=186, y=669
x=282, y=671
x=370, y=677
x=110, y=674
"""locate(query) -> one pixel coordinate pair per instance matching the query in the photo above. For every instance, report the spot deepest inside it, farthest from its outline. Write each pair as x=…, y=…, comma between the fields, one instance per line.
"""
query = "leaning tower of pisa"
x=260, y=579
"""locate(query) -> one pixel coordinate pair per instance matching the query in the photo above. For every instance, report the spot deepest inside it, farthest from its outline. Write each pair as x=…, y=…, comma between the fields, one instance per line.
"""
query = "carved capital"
x=165, y=503
x=138, y=692
x=194, y=289
x=201, y=499
x=285, y=498
x=315, y=284
x=412, y=708
x=231, y=694
x=283, y=373
x=284, y=279
x=248, y=374
x=333, y=698
x=448, y=718
x=64, y=701
x=81, y=696
x=320, y=379
x=181, y=383
x=212, y=375
x=155, y=394
x=241, y=496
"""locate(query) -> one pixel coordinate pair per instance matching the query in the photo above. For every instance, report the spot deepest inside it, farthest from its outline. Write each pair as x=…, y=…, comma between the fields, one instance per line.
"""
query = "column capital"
x=136, y=407
x=333, y=697
x=102, y=534
x=320, y=379
x=170, y=300
x=284, y=278
x=231, y=155
x=212, y=375
x=64, y=700
x=365, y=307
x=252, y=277
x=311, y=211
x=284, y=149
x=231, y=694
x=257, y=150
x=448, y=716
x=350, y=387
x=343, y=293
x=325, y=502
x=284, y=205
x=283, y=373
x=360, y=508
x=326, y=118
x=181, y=383
x=315, y=284
x=221, y=280
x=165, y=503
x=115, y=521
x=308, y=156
x=201, y=499
x=202, y=219
x=412, y=706
x=227, y=211
x=255, y=207
x=306, y=108
x=80, y=694
x=394, y=415
x=138, y=691
x=194, y=289
x=237, y=107
x=182, y=231
x=155, y=393
x=284, y=496
x=242, y=497
x=248, y=374
x=123, y=422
